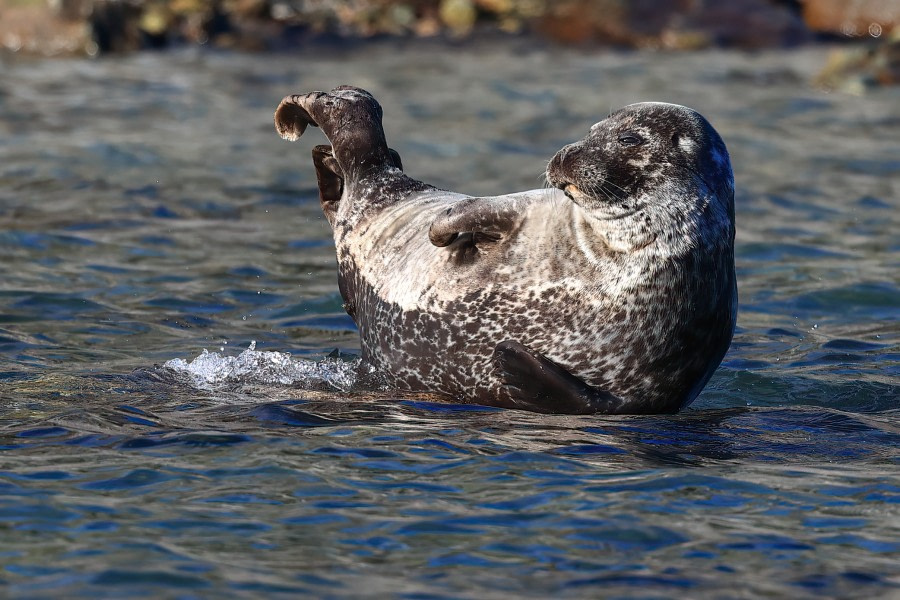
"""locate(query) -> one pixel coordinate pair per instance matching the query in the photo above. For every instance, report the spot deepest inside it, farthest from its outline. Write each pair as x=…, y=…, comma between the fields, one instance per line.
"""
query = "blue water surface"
x=148, y=211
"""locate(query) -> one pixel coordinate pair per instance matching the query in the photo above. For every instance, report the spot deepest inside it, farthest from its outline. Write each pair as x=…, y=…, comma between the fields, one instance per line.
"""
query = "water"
x=149, y=212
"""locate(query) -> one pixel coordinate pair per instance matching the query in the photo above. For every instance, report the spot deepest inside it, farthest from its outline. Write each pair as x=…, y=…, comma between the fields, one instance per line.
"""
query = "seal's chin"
x=596, y=208
x=617, y=213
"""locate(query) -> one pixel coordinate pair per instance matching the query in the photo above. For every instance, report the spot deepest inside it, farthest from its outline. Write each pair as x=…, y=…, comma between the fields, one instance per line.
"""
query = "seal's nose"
x=559, y=168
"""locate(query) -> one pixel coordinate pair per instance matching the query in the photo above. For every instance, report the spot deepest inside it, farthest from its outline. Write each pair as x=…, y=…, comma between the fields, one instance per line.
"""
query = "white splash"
x=269, y=367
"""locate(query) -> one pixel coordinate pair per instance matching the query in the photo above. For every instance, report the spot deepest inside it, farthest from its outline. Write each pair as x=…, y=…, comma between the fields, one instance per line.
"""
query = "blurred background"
x=96, y=27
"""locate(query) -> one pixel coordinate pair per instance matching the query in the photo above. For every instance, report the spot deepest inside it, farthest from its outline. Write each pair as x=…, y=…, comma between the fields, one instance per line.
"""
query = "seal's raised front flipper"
x=539, y=384
x=487, y=219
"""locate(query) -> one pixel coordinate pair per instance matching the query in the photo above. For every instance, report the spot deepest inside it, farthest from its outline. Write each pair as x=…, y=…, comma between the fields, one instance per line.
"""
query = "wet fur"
x=612, y=292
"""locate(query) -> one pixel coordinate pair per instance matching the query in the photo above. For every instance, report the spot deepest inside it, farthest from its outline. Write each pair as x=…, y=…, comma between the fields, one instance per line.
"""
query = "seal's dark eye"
x=630, y=139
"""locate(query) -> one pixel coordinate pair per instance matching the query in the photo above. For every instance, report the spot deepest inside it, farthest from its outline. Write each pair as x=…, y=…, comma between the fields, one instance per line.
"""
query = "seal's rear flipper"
x=351, y=120
x=539, y=384
x=330, y=178
x=395, y=158
x=292, y=118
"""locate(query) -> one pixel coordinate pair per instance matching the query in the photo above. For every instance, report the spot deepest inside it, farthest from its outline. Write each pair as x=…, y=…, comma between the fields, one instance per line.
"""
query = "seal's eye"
x=630, y=139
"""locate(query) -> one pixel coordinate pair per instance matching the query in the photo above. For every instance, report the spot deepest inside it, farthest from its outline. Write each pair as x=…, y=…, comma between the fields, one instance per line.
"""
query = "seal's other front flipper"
x=538, y=384
x=487, y=219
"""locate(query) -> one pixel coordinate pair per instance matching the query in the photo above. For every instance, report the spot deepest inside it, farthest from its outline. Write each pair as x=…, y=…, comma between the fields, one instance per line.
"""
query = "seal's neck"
x=599, y=238
x=657, y=232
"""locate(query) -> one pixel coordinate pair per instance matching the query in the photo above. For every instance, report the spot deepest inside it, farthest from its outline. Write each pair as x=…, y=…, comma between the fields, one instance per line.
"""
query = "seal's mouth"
x=571, y=190
x=602, y=211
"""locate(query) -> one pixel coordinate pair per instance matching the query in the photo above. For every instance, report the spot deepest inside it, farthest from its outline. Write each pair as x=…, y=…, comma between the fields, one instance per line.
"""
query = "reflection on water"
x=148, y=212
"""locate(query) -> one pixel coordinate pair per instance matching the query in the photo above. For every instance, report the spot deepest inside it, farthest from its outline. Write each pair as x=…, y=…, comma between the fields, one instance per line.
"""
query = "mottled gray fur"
x=613, y=291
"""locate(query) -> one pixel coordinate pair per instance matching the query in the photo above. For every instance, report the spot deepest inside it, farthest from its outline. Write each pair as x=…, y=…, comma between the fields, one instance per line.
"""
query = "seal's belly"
x=430, y=317
x=447, y=345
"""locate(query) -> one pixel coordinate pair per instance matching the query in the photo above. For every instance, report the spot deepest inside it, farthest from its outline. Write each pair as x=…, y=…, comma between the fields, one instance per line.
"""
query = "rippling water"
x=148, y=212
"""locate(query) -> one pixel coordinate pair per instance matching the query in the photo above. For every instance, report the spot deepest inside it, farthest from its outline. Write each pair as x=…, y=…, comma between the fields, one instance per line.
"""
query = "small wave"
x=270, y=367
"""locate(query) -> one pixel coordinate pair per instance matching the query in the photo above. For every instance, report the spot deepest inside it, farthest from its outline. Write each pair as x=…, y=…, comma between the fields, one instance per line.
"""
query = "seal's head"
x=650, y=173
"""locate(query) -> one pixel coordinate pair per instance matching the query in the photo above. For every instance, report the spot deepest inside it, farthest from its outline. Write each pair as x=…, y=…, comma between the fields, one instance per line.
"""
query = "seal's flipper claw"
x=292, y=116
x=537, y=383
x=487, y=219
x=330, y=179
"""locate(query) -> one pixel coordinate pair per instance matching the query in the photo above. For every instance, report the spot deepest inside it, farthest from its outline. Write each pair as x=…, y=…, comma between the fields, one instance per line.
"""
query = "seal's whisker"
x=601, y=188
x=618, y=187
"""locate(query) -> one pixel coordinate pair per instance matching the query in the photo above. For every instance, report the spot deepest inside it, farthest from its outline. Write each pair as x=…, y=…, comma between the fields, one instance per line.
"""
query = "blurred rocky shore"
x=95, y=27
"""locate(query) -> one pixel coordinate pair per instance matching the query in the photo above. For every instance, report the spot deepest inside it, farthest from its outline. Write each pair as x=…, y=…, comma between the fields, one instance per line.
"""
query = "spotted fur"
x=620, y=276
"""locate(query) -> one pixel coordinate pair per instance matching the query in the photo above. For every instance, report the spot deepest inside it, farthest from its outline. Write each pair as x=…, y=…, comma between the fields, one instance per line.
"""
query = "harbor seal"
x=612, y=291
